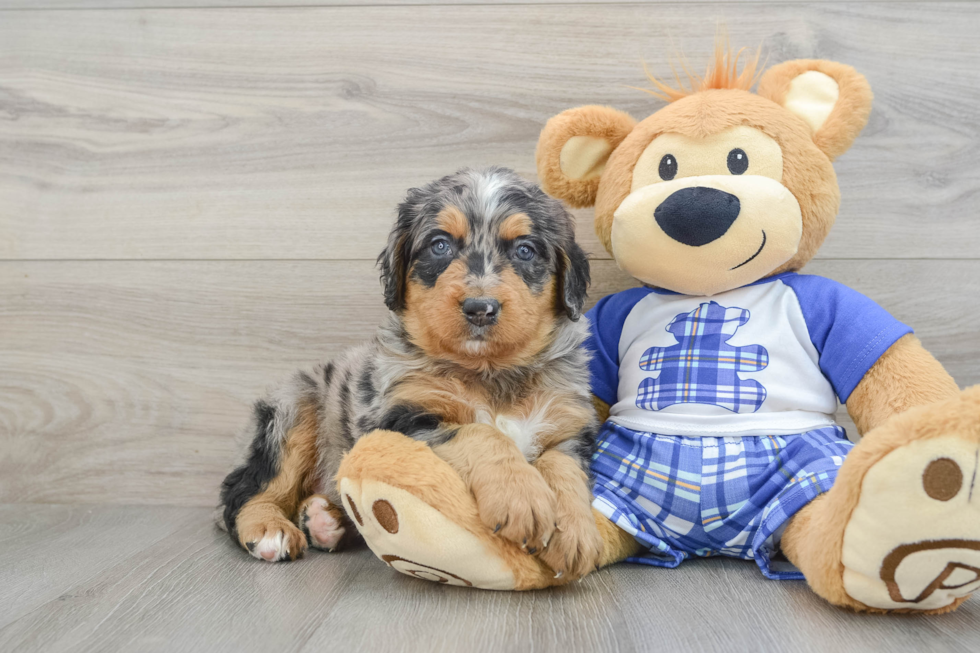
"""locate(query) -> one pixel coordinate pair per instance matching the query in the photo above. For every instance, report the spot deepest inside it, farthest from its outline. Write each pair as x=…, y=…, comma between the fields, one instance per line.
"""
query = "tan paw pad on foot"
x=418, y=540
x=913, y=540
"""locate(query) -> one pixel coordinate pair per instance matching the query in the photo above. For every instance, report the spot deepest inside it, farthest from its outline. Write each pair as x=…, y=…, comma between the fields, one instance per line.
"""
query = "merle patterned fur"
x=352, y=393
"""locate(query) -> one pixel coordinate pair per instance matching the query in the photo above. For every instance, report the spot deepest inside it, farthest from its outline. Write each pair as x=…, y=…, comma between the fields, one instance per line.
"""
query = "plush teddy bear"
x=720, y=376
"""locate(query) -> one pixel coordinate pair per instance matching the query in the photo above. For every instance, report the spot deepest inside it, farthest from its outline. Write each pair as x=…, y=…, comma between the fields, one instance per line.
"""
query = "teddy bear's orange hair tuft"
x=723, y=73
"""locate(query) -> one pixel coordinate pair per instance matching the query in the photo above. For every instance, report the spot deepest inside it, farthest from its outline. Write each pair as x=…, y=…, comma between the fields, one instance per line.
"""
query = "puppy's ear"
x=833, y=99
x=574, y=278
x=394, y=260
x=573, y=149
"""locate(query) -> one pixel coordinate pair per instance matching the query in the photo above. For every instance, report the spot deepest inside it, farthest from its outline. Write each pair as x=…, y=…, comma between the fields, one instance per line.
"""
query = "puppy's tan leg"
x=512, y=497
x=575, y=547
x=264, y=525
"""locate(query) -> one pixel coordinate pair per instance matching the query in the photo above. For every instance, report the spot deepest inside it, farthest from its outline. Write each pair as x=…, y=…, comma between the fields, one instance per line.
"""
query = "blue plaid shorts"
x=706, y=496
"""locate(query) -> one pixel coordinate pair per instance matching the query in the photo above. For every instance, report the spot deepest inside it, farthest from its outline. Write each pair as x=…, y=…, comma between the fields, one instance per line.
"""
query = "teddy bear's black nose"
x=697, y=216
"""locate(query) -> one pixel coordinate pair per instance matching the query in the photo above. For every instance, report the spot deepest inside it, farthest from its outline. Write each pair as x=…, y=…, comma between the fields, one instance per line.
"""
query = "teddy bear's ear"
x=573, y=149
x=833, y=99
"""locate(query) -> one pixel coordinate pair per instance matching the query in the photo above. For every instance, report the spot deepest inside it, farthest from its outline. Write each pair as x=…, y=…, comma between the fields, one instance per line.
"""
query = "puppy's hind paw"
x=322, y=523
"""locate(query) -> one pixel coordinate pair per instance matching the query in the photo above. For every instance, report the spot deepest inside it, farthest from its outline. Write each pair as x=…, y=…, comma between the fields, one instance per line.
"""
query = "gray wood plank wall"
x=191, y=198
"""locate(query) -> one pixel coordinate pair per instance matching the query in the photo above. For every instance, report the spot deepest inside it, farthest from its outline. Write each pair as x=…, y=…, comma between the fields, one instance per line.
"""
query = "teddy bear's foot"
x=906, y=510
x=416, y=539
x=913, y=540
x=415, y=513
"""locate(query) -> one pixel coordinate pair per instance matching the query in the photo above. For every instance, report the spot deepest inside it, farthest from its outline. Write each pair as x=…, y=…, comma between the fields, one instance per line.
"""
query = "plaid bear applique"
x=702, y=368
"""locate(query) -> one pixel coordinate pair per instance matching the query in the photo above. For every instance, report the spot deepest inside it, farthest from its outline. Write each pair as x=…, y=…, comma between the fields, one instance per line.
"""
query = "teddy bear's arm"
x=906, y=375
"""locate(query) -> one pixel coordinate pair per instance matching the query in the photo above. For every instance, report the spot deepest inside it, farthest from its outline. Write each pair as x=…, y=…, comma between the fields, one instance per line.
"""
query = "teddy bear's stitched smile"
x=757, y=252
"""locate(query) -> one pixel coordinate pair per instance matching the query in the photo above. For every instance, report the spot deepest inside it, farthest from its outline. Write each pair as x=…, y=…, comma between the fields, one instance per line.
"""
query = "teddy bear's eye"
x=668, y=167
x=738, y=161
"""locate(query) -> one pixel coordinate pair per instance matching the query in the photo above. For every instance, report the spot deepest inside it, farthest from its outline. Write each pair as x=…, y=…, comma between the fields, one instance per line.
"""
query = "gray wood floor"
x=95, y=578
x=191, y=198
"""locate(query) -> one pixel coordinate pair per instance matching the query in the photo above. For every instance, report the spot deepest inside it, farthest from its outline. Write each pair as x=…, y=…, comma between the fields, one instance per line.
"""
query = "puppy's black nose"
x=481, y=311
x=697, y=216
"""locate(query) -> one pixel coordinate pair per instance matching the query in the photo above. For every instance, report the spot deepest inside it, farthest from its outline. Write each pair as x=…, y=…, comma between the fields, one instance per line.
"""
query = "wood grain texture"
x=194, y=591
x=49, y=548
x=125, y=381
x=292, y=133
x=289, y=4
x=257, y=149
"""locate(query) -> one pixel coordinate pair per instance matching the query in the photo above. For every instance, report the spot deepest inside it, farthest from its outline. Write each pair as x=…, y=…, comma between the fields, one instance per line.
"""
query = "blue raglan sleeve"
x=849, y=331
x=606, y=321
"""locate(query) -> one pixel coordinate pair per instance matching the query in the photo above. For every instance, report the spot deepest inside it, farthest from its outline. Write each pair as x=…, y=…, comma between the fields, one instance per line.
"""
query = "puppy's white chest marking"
x=524, y=430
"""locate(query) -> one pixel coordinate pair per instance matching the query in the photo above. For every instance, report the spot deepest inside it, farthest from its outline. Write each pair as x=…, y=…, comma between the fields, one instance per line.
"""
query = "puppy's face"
x=482, y=266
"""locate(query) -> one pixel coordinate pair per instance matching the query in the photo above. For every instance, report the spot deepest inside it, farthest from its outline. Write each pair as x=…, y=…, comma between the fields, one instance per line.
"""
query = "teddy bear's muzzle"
x=706, y=234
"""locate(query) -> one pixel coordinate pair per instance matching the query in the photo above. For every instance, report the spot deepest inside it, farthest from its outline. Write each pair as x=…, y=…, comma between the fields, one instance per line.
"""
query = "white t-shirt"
x=770, y=358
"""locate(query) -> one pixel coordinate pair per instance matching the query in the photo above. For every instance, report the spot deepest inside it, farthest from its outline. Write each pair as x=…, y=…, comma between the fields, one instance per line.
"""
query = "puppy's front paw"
x=515, y=503
x=575, y=548
x=272, y=539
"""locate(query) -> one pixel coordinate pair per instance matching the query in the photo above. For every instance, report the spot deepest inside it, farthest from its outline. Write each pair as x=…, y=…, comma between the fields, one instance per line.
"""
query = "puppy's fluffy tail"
x=218, y=516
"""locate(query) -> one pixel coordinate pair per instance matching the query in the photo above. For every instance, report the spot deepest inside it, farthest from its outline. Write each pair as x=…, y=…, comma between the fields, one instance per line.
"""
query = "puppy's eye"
x=738, y=161
x=524, y=252
x=668, y=167
x=440, y=247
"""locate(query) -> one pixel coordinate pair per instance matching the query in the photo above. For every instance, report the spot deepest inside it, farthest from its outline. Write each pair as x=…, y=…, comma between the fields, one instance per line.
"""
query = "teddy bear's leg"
x=900, y=529
x=416, y=514
x=617, y=544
